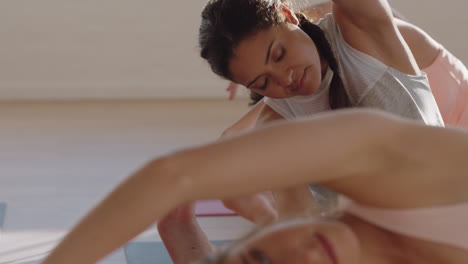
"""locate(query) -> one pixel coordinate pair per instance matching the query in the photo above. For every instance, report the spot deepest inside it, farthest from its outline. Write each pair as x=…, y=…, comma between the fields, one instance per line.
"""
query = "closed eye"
x=281, y=56
x=265, y=85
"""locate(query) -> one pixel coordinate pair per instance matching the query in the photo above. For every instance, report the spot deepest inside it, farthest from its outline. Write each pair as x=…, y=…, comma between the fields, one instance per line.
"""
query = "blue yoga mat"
x=152, y=252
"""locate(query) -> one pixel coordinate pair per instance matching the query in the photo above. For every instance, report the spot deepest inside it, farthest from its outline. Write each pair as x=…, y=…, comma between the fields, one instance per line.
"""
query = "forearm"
x=365, y=11
x=204, y=172
x=184, y=239
x=187, y=244
x=247, y=121
x=317, y=11
x=307, y=151
x=435, y=156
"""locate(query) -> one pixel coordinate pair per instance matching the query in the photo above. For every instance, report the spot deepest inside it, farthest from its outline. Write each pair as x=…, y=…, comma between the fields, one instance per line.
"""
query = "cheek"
x=346, y=243
x=304, y=56
x=309, y=51
x=313, y=57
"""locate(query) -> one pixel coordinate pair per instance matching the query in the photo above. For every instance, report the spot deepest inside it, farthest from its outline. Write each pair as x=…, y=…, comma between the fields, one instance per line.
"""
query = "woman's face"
x=304, y=241
x=278, y=62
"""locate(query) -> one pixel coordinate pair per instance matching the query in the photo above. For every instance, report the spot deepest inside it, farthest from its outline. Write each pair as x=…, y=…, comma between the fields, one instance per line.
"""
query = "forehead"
x=272, y=233
x=250, y=53
x=291, y=226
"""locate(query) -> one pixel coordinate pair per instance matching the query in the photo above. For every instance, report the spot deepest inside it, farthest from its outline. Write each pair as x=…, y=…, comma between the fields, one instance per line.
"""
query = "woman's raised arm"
x=369, y=26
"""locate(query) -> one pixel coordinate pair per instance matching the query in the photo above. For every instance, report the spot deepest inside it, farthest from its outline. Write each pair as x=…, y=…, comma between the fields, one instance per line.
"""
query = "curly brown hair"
x=225, y=23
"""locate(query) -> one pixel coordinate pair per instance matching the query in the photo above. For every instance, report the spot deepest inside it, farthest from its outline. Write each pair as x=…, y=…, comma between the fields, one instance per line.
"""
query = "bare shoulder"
x=369, y=19
x=436, y=163
x=372, y=30
x=424, y=48
x=267, y=114
x=420, y=166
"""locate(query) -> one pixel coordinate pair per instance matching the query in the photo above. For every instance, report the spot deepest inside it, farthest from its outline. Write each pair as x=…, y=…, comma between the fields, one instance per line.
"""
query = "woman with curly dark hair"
x=351, y=58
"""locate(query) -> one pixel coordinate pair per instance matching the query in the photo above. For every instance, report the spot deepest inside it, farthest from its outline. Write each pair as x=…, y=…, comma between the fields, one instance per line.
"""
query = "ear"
x=289, y=14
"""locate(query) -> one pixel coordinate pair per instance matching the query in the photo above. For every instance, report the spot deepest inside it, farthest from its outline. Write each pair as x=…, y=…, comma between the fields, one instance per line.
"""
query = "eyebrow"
x=267, y=58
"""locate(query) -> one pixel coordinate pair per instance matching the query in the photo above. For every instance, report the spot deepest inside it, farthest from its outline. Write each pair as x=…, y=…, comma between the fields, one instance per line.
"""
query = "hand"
x=232, y=90
x=259, y=208
x=184, y=239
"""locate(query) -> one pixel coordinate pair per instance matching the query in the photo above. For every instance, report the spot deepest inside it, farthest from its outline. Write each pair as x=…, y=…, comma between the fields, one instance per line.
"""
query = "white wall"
x=445, y=20
x=57, y=160
x=56, y=49
x=102, y=48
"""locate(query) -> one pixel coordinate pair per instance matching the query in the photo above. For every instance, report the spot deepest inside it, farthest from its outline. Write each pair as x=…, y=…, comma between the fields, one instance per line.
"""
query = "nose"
x=284, y=77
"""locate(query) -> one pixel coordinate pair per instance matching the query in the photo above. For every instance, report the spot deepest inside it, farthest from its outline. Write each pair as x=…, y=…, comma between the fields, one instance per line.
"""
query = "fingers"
x=232, y=90
x=185, y=241
x=259, y=208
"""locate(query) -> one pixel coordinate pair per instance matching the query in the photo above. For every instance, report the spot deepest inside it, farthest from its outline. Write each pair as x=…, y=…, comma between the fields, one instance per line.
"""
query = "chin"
x=308, y=91
x=311, y=88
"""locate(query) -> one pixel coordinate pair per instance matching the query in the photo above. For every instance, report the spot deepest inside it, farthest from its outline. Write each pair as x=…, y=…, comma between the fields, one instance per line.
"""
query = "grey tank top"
x=368, y=83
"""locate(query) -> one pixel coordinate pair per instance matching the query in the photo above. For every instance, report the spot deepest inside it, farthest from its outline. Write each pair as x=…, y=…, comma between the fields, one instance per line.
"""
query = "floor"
x=57, y=159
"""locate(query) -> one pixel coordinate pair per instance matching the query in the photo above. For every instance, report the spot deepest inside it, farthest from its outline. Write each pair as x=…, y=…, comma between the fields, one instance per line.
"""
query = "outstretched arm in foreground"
x=355, y=152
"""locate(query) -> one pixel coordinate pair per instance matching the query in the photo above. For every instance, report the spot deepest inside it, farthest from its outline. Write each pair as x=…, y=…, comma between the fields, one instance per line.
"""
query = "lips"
x=300, y=83
x=327, y=247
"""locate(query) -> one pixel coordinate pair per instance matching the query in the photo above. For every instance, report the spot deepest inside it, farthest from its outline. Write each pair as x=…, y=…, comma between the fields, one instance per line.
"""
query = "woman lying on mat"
x=406, y=183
